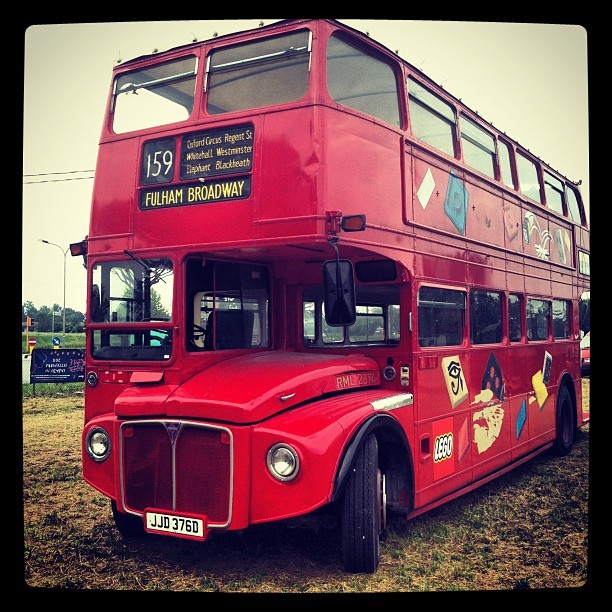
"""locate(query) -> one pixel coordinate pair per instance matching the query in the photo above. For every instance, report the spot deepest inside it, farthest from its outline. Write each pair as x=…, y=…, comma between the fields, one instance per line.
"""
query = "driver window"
x=228, y=306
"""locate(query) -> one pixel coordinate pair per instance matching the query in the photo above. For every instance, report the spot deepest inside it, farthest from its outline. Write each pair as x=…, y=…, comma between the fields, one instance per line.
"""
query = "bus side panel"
x=484, y=221
x=362, y=169
x=491, y=422
x=287, y=168
x=443, y=461
x=519, y=425
x=538, y=391
x=114, y=189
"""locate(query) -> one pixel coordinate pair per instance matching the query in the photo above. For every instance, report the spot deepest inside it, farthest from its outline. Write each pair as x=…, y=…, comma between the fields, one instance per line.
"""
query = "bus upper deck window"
x=260, y=73
x=528, y=177
x=572, y=204
x=505, y=155
x=361, y=81
x=553, y=188
x=155, y=95
x=478, y=147
x=432, y=119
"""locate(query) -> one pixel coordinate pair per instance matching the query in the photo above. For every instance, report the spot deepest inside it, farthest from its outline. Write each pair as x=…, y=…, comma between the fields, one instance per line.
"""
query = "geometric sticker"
x=426, y=189
x=547, y=367
x=456, y=202
x=568, y=241
x=493, y=378
x=541, y=392
x=463, y=442
x=455, y=381
x=521, y=417
x=560, y=245
x=510, y=222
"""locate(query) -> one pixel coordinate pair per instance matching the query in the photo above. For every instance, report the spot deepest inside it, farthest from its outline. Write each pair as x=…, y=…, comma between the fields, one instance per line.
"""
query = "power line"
x=43, y=174
x=79, y=178
x=51, y=173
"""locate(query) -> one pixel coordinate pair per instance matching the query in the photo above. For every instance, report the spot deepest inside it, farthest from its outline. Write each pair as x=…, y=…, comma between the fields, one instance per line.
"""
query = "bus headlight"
x=283, y=462
x=98, y=444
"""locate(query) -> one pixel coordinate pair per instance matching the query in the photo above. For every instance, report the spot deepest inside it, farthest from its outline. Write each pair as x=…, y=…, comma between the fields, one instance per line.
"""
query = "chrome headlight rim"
x=282, y=452
x=90, y=443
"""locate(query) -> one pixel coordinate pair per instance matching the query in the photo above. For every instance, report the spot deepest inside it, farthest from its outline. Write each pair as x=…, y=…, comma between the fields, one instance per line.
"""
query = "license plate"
x=175, y=524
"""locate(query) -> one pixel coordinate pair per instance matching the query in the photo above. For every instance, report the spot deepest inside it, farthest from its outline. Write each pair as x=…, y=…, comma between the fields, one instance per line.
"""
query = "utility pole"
x=64, y=253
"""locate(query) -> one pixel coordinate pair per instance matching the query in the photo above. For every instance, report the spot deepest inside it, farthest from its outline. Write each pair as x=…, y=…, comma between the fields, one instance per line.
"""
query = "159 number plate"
x=174, y=524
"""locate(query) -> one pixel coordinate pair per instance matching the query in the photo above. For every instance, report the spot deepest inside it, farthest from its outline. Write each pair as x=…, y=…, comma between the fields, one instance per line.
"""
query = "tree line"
x=45, y=319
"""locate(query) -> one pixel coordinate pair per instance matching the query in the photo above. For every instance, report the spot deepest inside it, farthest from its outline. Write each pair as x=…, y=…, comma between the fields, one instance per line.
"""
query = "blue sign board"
x=58, y=365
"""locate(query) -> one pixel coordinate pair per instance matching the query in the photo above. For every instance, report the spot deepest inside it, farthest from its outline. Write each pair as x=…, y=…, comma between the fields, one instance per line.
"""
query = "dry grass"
x=526, y=530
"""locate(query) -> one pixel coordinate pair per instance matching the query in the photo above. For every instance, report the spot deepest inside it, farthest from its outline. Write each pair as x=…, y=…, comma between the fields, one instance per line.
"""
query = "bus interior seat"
x=233, y=328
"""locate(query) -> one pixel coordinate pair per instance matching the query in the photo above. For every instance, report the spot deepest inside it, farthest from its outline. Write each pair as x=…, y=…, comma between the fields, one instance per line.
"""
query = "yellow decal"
x=540, y=388
x=487, y=425
x=455, y=381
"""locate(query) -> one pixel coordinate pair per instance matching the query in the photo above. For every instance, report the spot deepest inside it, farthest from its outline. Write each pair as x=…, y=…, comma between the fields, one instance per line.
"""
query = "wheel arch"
x=566, y=381
x=395, y=459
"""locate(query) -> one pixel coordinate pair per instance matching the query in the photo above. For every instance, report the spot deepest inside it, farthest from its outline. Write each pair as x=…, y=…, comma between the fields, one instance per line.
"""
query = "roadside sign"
x=54, y=366
x=56, y=341
x=31, y=343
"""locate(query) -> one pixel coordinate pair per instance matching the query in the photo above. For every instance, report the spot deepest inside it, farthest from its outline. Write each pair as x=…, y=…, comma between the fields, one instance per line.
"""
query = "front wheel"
x=566, y=423
x=362, y=511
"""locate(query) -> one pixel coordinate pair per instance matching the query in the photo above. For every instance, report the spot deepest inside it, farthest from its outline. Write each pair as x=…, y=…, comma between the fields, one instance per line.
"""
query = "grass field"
x=44, y=340
x=526, y=530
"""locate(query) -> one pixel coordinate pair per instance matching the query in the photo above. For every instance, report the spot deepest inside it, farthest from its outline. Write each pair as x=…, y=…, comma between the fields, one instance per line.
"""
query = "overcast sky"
x=529, y=80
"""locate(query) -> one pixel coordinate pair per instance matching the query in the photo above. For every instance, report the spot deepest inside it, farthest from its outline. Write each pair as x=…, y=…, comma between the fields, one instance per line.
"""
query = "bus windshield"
x=261, y=73
x=131, y=293
x=155, y=95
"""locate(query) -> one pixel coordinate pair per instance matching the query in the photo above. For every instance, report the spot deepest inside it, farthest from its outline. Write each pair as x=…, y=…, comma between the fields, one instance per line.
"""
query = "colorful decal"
x=521, y=417
x=455, y=381
x=487, y=425
x=485, y=397
x=531, y=227
x=493, y=378
x=541, y=392
x=426, y=189
x=510, y=222
x=560, y=245
x=456, y=202
x=443, y=451
x=443, y=447
x=463, y=442
x=546, y=368
x=568, y=241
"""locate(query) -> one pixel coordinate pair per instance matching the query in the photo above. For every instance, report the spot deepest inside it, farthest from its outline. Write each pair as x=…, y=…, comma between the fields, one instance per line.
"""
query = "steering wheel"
x=198, y=333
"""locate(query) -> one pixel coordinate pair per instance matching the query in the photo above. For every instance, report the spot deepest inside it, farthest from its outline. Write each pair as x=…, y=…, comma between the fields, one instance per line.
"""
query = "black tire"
x=362, y=511
x=128, y=525
x=566, y=423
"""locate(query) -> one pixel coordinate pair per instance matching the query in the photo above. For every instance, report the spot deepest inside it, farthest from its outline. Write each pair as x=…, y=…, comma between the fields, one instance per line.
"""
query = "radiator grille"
x=192, y=474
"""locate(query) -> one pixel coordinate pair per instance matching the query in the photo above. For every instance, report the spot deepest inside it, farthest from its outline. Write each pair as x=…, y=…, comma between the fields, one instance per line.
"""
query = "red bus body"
x=181, y=436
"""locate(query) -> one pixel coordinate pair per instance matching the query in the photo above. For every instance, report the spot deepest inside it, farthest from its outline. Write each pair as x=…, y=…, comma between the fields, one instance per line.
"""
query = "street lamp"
x=64, y=253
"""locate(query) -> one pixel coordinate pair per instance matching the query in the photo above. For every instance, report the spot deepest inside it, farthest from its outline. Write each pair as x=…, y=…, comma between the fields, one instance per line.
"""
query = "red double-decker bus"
x=319, y=285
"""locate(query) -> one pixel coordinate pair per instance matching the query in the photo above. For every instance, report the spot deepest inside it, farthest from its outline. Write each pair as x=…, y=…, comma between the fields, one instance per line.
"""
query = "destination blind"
x=235, y=188
x=215, y=153
x=206, y=157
